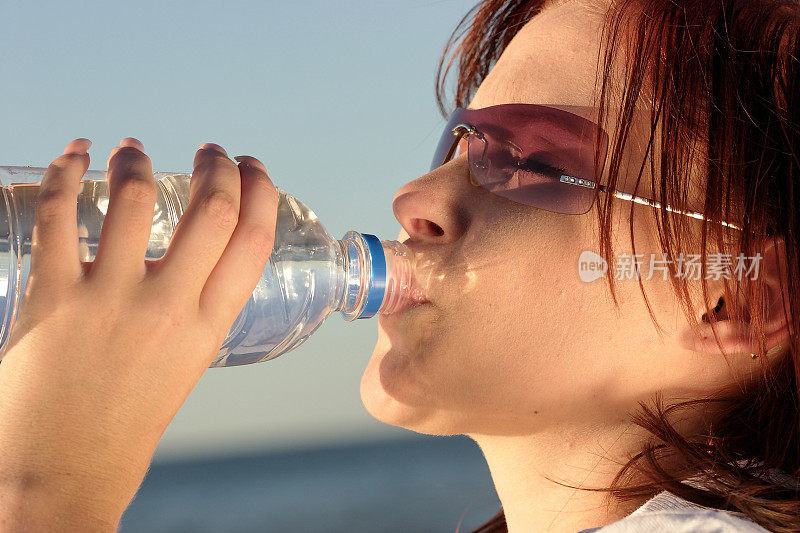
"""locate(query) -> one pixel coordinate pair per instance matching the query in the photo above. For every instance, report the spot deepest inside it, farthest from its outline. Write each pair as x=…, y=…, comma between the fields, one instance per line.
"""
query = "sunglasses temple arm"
x=656, y=205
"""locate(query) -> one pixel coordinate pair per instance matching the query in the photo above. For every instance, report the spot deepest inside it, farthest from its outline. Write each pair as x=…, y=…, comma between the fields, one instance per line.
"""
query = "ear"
x=736, y=335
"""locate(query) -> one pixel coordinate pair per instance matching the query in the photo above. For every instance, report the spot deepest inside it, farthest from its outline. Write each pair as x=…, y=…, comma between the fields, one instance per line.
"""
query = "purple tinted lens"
x=535, y=155
x=527, y=180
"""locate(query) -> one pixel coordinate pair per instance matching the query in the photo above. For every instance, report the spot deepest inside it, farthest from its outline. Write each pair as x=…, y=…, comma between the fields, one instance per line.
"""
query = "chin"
x=393, y=394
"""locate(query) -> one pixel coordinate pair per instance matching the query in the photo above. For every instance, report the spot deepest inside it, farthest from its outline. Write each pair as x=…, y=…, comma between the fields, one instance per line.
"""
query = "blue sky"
x=337, y=99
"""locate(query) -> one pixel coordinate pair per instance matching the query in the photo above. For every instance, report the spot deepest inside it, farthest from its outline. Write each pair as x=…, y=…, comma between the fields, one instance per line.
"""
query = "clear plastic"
x=308, y=276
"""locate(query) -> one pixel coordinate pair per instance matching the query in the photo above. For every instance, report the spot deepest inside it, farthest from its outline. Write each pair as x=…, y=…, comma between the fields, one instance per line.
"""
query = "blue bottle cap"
x=377, y=286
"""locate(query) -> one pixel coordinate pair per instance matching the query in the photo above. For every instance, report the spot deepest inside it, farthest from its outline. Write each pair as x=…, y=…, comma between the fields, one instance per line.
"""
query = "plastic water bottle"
x=309, y=274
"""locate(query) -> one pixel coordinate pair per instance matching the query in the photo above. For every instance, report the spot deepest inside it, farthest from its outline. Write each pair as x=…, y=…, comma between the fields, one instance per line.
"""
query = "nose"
x=432, y=208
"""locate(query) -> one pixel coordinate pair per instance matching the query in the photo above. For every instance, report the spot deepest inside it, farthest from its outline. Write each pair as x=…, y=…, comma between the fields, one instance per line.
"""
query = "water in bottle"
x=308, y=276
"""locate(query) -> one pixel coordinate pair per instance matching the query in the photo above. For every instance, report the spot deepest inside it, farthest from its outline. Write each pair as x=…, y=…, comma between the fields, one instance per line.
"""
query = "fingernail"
x=131, y=142
x=251, y=162
x=215, y=147
x=78, y=147
x=113, y=151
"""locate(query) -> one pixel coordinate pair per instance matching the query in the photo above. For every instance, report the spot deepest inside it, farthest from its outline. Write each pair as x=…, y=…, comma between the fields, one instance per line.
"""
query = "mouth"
x=406, y=307
x=416, y=293
x=414, y=299
x=411, y=283
x=412, y=296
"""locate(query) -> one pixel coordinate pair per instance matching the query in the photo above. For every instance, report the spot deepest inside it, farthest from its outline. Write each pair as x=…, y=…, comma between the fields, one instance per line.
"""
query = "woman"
x=550, y=370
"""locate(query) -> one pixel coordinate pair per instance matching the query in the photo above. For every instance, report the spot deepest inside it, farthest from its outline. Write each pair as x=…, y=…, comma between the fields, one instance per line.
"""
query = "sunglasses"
x=540, y=156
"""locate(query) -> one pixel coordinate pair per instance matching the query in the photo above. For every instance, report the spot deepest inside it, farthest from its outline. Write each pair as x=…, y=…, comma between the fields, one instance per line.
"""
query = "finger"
x=54, y=239
x=194, y=184
x=204, y=229
x=242, y=263
x=127, y=141
x=129, y=219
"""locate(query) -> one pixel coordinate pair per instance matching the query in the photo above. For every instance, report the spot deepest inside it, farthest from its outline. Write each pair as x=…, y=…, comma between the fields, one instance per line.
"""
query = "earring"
x=711, y=443
x=754, y=356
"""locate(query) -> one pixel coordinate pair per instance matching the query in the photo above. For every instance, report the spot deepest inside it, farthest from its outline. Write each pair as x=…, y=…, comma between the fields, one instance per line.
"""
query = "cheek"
x=509, y=337
x=487, y=350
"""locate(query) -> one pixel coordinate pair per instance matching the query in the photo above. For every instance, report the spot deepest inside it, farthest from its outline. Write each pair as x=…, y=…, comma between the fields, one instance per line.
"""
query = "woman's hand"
x=103, y=354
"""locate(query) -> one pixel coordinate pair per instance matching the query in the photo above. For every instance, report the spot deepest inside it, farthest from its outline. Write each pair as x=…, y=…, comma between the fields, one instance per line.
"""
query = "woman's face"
x=512, y=339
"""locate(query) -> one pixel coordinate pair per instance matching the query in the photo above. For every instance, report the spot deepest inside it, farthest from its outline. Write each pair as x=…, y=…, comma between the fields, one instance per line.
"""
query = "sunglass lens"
x=504, y=169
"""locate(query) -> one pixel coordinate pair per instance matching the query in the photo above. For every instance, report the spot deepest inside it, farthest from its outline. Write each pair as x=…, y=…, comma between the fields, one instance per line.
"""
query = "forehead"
x=553, y=59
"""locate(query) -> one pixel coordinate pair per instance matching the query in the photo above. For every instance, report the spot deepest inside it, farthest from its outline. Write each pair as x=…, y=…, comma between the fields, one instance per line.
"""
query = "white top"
x=666, y=512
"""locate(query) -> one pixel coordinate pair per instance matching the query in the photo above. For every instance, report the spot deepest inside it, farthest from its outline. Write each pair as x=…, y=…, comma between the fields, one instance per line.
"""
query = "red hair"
x=722, y=79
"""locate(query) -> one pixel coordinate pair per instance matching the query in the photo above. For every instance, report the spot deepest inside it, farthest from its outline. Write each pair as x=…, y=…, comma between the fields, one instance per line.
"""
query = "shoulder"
x=668, y=513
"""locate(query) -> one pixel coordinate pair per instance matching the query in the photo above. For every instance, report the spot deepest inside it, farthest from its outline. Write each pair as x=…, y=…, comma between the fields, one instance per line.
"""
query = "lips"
x=411, y=279
x=421, y=264
x=412, y=296
x=406, y=305
x=416, y=294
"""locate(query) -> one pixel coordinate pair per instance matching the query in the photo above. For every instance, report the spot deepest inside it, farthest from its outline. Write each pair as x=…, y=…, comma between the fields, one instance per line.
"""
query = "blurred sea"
x=426, y=484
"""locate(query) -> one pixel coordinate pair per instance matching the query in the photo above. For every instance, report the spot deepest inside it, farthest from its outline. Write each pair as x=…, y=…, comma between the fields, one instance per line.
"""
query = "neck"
x=521, y=465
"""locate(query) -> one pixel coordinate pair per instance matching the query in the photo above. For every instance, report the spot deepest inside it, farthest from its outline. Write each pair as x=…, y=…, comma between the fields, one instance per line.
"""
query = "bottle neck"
x=374, y=277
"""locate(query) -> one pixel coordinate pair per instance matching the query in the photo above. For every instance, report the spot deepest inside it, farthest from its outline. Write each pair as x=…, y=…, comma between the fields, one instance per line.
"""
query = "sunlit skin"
x=80, y=415
x=538, y=367
x=514, y=350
